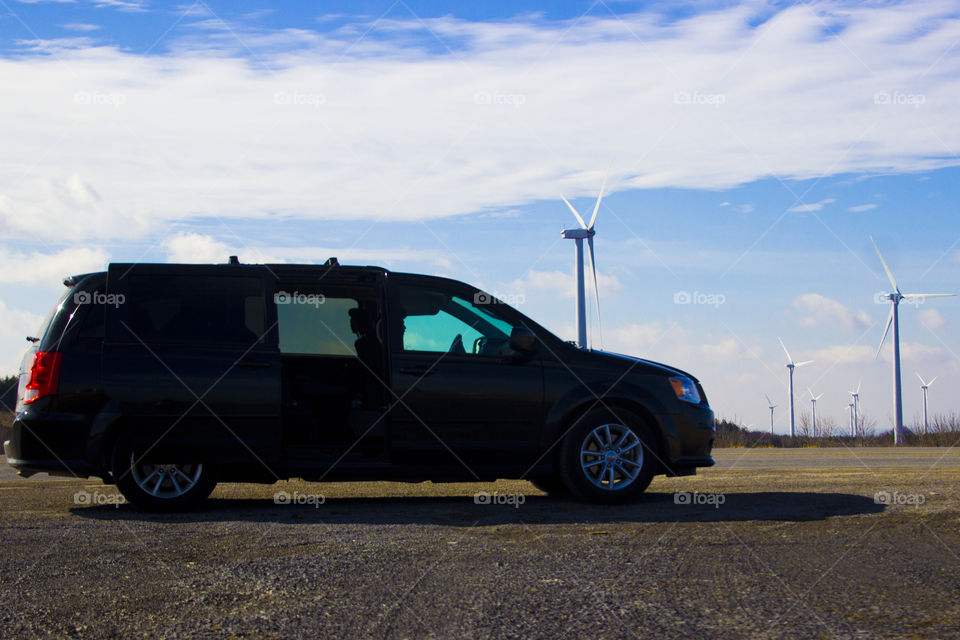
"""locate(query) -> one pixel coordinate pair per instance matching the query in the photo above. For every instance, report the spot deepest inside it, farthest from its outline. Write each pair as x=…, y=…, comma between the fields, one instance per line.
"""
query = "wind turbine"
x=791, y=365
x=856, y=408
x=813, y=408
x=585, y=232
x=772, y=407
x=924, y=386
x=894, y=319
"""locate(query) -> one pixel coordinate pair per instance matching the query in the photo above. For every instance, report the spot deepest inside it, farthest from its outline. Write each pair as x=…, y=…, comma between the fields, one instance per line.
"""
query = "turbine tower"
x=894, y=319
x=856, y=408
x=791, y=365
x=584, y=232
x=853, y=427
x=772, y=407
x=813, y=408
x=924, y=386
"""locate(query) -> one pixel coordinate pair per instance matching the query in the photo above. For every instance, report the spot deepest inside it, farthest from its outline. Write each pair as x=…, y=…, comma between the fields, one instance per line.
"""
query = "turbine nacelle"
x=578, y=234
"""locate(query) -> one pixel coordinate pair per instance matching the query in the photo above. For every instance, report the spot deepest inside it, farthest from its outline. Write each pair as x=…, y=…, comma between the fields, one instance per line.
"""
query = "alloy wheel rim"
x=611, y=457
x=165, y=481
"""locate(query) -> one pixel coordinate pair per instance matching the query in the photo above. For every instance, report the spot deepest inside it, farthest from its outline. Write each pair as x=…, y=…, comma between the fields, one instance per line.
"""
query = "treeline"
x=944, y=431
x=8, y=392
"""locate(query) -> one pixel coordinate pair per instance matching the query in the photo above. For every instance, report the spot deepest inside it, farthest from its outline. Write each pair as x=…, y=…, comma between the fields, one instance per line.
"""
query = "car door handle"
x=418, y=371
x=253, y=364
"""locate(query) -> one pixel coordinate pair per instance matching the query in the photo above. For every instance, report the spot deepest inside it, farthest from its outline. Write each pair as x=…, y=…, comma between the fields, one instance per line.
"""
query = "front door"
x=460, y=398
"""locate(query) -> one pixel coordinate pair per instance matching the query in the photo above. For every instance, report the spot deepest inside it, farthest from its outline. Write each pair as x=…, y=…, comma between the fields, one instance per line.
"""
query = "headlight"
x=685, y=389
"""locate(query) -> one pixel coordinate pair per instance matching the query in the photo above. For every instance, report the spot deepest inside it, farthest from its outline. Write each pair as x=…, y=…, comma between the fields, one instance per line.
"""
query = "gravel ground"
x=759, y=553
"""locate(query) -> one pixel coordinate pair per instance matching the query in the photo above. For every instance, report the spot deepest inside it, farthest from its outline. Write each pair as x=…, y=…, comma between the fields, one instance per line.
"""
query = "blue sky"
x=753, y=150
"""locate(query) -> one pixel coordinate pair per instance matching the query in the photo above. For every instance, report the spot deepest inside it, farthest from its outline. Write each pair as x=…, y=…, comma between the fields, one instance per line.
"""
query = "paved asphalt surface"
x=769, y=544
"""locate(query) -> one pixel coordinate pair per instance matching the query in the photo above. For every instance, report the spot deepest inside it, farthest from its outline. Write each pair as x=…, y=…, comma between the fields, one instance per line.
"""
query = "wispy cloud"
x=820, y=310
x=81, y=26
x=862, y=207
x=240, y=121
x=813, y=206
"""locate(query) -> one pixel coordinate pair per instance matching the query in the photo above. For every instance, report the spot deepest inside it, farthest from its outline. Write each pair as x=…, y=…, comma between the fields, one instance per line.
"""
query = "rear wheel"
x=155, y=486
x=608, y=457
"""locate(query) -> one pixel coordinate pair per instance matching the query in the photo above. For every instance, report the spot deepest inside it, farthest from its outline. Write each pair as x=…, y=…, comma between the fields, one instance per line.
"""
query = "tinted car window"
x=438, y=321
x=315, y=324
x=199, y=309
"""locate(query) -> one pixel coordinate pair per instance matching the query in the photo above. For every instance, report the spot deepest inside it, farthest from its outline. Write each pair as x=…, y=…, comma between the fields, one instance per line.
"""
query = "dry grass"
x=6, y=418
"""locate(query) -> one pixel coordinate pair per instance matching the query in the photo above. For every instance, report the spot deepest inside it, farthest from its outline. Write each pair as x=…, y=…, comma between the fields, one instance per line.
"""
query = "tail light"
x=44, y=376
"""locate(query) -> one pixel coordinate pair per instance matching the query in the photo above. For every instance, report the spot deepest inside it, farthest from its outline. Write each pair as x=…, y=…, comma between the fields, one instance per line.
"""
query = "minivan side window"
x=314, y=324
x=438, y=321
x=196, y=309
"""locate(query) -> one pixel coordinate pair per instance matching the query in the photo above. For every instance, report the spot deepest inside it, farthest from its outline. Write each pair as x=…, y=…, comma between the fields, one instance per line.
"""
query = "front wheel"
x=160, y=487
x=608, y=457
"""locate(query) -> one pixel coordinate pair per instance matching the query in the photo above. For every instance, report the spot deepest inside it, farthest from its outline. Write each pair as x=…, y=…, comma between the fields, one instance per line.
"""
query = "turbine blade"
x=859, y=382
x=810, y=392
x=596, y=207
x=885, y=267
x=769, y=401
x=914, y=296
x=921, y=379
x=789, y=359
x=596, y=288
x=930, y=384
x=583, y=225
x=800, y=364
x=885, y=332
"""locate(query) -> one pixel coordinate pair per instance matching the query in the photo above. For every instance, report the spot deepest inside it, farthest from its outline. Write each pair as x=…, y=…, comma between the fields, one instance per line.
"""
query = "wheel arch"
x=563, y=418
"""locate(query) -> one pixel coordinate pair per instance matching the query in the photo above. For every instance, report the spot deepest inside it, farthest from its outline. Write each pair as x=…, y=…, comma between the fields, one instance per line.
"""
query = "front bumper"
x=691, y=440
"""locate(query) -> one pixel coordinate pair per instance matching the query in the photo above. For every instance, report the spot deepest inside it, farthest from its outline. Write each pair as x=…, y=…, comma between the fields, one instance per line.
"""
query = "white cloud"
x=81, y=26
x=49, y=268
x=813, y=206
x=821, y=310
x=394, y=131
x=932, y=318
x=193, y=247
x=862, y=207
x=845, y=354
x=196, y=248
x=564, y=284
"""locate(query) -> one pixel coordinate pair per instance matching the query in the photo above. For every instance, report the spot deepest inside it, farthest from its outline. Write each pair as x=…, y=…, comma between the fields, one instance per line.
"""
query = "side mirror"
x=522, y=340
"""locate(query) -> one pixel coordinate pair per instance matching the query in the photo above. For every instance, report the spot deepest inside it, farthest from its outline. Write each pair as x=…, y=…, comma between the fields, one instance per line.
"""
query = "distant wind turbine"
x=813, y=408
x=791, y=365
x=772, y=407
x=586, y=231
x=894, y=319
x=856, y=409
x=924, y=386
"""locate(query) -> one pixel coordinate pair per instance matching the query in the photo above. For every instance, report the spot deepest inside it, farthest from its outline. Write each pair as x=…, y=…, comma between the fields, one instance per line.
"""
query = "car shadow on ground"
x=524, y=509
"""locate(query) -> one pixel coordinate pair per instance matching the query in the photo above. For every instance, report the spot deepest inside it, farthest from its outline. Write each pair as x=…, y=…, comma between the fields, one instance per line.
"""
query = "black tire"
x=611, y=475
x=134, y=478
x=551, y=485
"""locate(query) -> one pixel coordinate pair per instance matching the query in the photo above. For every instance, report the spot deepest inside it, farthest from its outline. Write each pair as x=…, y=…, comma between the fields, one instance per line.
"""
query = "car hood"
x=654, y=367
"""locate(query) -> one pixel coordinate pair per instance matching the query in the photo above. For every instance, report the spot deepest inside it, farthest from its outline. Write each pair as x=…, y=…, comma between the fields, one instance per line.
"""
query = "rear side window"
x=196, y=309
x=317, y=325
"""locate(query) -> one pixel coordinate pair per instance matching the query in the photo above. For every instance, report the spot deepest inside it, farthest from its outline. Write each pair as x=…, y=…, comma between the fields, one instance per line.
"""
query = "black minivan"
x=165, y=379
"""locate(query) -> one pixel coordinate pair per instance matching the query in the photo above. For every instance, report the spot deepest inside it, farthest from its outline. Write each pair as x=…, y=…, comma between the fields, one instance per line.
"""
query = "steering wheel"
x=457, y=345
